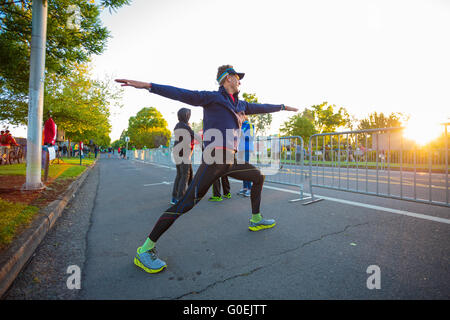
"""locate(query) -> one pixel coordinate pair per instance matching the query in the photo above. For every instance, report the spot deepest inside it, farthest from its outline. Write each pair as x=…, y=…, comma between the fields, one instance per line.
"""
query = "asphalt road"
x=318, y=251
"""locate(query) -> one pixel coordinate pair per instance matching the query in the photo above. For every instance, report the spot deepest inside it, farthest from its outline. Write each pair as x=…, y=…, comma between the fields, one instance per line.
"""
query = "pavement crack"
x=245, y=274
x=320, y=238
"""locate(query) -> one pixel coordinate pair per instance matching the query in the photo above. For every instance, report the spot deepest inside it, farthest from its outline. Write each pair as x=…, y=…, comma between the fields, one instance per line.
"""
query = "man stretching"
x=223, y=114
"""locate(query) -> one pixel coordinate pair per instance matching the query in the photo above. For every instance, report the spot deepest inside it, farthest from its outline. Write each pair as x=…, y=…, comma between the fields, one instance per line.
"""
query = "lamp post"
x=36, y=95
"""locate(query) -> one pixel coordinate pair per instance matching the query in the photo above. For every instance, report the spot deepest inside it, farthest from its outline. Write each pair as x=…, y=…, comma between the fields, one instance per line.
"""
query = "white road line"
x=156, y=184
x=363, y=205
x=154, y=164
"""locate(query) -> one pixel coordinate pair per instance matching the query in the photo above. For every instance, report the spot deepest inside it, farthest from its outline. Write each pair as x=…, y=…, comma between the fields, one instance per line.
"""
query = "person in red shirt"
x=3, y=144
x=2, y=139
x=10, y=139
x=49, y=132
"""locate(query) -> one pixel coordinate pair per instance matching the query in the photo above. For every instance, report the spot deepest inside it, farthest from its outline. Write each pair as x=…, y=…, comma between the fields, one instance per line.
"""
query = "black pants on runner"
x=225, y=186
x=202, y=181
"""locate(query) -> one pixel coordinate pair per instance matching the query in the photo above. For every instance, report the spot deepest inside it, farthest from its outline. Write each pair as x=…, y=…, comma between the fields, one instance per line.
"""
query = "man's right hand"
x=134, y=84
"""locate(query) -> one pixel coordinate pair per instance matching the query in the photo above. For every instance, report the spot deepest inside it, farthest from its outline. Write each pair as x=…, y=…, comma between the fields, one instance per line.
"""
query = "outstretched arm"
x=194, y=98
x=257, y=108
x=134, y=84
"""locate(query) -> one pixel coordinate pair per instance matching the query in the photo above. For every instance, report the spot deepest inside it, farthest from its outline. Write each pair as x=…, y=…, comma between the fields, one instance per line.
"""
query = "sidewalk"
x=15, y=257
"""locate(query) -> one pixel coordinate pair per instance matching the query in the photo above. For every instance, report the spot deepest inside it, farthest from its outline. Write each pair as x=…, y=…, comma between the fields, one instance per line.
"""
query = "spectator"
x=49, y=132
x=4, y=146
x=10, y=141
x=216, y=189
x=184, y=168
x=245, y=148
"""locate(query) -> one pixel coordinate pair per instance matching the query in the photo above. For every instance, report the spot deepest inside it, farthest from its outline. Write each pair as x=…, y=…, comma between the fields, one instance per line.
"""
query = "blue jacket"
x=247, y=137
x=219, y=110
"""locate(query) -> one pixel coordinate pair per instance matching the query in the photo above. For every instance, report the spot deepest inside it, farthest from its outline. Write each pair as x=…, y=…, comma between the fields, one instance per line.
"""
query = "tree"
x=325, y=118
x=152, y=138
x=81, y=106
x=379, y=120
x=298, y=125
x=261, y=122
x=64, y=46
x=148, y=128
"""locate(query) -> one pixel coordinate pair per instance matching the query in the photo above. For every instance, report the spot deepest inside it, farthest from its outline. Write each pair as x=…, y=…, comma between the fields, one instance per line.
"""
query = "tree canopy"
x=326, y=118
x=81, y=106
x=148, y=128
x=298, y=125
x=65, y=46
x=379, y=120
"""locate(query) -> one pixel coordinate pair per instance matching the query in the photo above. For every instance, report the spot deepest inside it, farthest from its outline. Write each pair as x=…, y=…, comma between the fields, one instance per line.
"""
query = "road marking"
x=364, y=205
x=156, y=184
x=154, y=164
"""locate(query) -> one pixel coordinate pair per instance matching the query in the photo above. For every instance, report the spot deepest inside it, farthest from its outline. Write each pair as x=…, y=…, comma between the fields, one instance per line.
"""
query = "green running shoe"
x=263, y=224
x=215, y=199
x=149, y=261
x=227, y=196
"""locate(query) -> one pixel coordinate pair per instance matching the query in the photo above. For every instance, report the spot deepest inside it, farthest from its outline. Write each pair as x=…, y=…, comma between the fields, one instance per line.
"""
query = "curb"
x=13, y=259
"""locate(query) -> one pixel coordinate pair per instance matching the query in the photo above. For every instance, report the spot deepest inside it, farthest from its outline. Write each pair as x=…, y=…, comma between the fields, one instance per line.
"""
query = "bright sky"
x=364, y=55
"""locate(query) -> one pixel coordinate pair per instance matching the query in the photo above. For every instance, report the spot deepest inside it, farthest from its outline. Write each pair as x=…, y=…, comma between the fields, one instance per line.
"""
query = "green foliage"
x=318, y=119
x=146, y=118
x=379, y=120
x=148, y=128
x=14, y=216
x=326, y=118
x=262, y=121
x=64, y=46
x=80, y=105
x=152, y=138
x=298, y=125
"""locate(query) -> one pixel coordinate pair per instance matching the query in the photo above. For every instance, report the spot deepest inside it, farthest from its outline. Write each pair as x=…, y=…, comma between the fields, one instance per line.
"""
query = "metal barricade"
x=380, y=162
x=281, y=160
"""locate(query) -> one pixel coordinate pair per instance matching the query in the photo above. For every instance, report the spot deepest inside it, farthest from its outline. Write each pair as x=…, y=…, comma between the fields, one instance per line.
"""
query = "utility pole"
x=36, y=95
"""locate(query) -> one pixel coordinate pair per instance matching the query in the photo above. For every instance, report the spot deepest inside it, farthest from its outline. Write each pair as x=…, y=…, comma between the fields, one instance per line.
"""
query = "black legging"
x=202, y=181
x=225, y=186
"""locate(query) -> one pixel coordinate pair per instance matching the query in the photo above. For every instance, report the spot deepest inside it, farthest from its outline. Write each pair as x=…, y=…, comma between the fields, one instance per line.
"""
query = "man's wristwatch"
x=283, y=107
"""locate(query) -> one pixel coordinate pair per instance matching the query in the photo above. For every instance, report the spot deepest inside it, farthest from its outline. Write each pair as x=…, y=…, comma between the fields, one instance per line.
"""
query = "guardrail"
x=288, y=155
x=280, y=159
x=379, y=162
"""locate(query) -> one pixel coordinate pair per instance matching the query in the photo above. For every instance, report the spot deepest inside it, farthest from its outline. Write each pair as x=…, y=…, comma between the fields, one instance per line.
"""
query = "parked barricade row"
x=280, y=159
x=380, y=162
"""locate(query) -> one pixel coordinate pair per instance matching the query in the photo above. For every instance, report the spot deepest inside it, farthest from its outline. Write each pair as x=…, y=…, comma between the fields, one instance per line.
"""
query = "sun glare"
x=422, y=132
